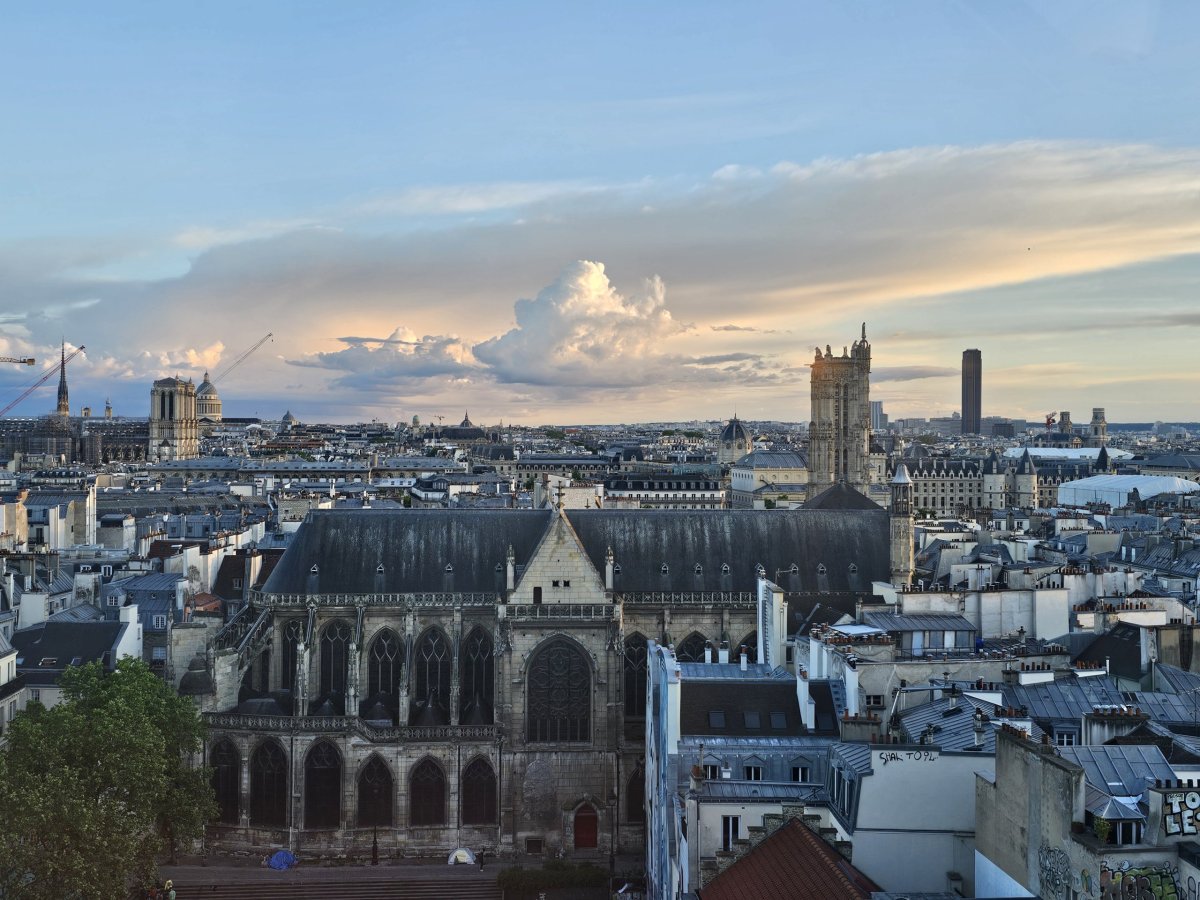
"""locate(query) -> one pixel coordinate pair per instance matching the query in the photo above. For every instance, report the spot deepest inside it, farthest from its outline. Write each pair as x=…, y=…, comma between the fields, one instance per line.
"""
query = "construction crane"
x=21, y=361
x=241, y=359
x=42, y=379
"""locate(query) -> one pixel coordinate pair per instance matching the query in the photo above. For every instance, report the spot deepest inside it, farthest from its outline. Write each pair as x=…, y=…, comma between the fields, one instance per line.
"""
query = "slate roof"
x=744, y=709
x=61, y=642
x=413, y=545
x=1071, y=699
x=792, y=862
x=1120, y=771
x=1120, y=646
x=919, y=622
x=772, y=459
x=643, y=540
x=841, y=496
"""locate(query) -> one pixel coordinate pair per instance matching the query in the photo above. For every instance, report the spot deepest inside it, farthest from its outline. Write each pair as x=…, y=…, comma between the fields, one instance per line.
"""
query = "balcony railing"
x=408, y=600
x=686, y=598
x=574, y=612
x=379, y=734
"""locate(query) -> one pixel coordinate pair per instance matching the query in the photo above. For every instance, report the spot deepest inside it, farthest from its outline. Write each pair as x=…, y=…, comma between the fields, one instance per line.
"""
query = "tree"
x=96, y=788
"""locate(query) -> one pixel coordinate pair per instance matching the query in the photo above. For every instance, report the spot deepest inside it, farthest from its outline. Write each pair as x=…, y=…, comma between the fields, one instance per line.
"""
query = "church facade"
x=432, y=679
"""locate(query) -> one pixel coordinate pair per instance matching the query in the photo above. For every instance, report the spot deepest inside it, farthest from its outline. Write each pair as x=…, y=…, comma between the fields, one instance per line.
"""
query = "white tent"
x=1115, y=489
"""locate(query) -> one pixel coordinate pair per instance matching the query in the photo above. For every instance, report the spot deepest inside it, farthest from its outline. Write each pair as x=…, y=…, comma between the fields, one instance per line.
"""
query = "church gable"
x=559, y=571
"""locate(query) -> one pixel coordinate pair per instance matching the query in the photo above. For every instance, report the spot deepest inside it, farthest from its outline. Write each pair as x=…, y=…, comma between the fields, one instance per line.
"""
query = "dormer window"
x=760, y=570
x=821, y=570
x=379, y=569
x=795, y=569
x=314, y=570
x=853, y=569
x=698, y=569
x=617, y=569
x=449, y=570
x=665, y=569
x=724, y=568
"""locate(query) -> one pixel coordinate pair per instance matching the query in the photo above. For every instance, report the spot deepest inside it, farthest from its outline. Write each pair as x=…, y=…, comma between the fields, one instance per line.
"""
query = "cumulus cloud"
x=580, y=331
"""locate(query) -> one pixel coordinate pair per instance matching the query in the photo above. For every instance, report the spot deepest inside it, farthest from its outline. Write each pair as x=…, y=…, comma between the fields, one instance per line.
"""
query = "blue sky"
x=546, y=212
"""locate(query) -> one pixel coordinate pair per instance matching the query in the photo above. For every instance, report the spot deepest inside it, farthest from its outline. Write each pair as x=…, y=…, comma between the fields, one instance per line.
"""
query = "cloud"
x=910, y=373
x=972, y=238
x=580, y=331
x=747, y=328
x=385, y=364
x=457, y=199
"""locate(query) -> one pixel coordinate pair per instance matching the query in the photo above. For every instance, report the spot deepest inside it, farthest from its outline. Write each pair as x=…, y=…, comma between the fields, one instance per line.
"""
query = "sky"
x=566, y=213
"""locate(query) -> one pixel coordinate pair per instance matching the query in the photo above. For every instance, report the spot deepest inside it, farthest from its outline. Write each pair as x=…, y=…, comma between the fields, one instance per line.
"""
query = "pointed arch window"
x=479, y=794
x=692, y=648
x=226, y=765
x=635, y=796
x=293, y=634
x=268, y=785
x=335, y=649
x=635, y=676
x=476, y=681
x=432, y=678
x=384, y=665
x=375, y=795
x=323, y=786
x=559, y=694
x=427, y=794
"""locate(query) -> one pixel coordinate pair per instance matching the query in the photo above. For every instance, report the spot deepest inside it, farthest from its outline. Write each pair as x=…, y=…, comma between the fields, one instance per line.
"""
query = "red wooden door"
x=586, y=822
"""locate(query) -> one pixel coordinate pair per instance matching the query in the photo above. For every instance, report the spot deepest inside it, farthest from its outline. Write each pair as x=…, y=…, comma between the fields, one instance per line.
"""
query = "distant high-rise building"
x=879, y=419
x=839, y=435
x=972, y=390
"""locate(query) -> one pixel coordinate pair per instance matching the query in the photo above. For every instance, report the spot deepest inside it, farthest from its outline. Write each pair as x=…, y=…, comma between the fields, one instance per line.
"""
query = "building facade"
x=478, y=678
x=174, y=428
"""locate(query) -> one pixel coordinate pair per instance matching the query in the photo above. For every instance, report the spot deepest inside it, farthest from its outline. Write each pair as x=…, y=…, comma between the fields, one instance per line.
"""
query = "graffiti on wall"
x=1180, y=812
x=1157, y=882
x=1056, y=878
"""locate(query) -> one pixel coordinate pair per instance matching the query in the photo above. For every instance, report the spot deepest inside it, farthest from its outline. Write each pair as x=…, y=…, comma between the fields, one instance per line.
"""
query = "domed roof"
x=206, y=389
x=288, y=417
x=735, y=431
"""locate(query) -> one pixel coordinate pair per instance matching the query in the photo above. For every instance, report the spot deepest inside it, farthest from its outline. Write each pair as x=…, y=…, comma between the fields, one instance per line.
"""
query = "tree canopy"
x=95, y=789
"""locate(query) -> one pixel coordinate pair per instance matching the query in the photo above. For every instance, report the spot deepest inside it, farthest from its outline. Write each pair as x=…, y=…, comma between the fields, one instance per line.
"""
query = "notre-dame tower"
x=839, y=434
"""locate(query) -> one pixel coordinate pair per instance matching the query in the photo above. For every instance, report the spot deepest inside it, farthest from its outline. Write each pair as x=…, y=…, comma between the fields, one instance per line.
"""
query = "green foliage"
x=554, y=434
x=519, y=883
x=768, y=503
x=695, y=435
x=1102, y=829
x=96, y=788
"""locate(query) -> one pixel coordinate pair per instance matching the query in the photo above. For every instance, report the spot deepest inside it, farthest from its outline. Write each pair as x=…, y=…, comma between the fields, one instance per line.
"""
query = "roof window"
x=716, y=718
x=752, y=719
x=778, y=720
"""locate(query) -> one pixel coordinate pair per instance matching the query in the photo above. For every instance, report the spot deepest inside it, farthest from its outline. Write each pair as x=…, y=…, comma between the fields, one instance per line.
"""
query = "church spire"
x=64, y=407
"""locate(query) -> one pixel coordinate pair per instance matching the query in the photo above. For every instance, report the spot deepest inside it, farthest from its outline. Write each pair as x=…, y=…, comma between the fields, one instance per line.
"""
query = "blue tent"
x=281, y=860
